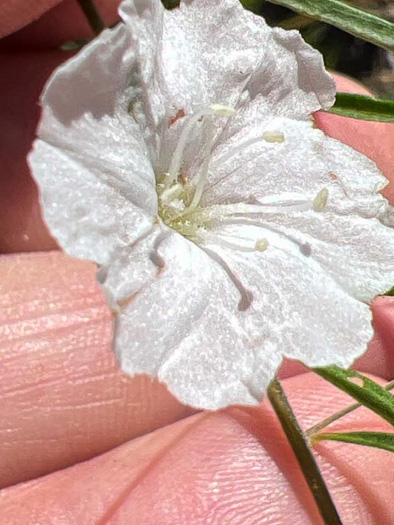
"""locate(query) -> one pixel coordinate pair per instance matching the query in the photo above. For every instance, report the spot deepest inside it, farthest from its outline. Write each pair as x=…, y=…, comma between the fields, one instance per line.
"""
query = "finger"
x=62, y=397
x=18, y=13
x=23, y=77
x=374, y=139
x=233, y=466
x=49, y=23
x=379, y=358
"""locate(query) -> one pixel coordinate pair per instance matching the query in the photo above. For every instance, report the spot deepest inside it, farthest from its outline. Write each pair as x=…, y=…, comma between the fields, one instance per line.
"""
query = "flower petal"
x=224, y=50
x=184, y=327
x=207, y=52
x=357, y=253
x=304, y=163
x=297, y=311
x=97, y=184
x=215, y=324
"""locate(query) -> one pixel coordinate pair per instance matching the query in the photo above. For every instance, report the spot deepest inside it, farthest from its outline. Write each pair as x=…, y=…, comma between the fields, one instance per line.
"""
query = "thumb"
x=233, y=466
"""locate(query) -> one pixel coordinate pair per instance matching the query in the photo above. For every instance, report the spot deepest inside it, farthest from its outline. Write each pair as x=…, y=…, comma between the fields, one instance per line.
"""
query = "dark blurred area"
x=342, y=52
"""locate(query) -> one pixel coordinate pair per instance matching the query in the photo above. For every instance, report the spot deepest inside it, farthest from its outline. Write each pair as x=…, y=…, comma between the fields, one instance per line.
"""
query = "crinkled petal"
x=214, y=51
x=185, y=328
x=215, y=323
x=208, y=52
x=96, y=181
x=304, y=163
x=298, y=312
x=357, y=253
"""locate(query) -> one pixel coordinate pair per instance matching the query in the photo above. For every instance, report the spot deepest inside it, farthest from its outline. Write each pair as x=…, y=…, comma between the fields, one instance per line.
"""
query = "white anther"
x=261, y=245
x=268, y=136
x=222, y=111
x=171, y=193
x=273, y=136
x=320, y=200
x=177, y=204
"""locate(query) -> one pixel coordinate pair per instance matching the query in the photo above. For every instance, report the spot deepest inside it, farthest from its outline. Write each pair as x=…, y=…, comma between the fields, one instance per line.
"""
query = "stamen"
x=222, y=111
x=215, y=109
x=320, y=200
x=305, y=248
x=268, y=136
x=236, y=247
x=180, y=147
x=273, y=136
x=261, y=245
x=171, y=193
x=202, y=177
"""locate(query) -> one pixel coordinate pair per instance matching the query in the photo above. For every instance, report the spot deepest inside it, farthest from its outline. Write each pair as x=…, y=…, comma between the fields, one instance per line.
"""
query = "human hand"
x=63, y=399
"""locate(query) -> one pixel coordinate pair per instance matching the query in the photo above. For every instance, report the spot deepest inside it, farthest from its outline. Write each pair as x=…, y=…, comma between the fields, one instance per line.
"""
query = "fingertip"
x=373, y=139
x=232, y=466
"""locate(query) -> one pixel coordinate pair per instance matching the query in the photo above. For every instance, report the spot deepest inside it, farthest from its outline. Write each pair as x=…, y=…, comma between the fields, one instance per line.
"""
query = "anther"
x=267, y=136
x=171, y=193
x=273, y=136
x=261, y=245
x=320, y=200
x=222, y=111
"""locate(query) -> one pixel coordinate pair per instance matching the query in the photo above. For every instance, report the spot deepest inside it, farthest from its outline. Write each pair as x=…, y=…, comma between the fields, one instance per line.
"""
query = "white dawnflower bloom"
x=178, y=152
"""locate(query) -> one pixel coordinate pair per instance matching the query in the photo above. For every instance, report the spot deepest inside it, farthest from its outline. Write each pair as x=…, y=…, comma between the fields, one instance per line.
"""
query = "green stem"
x=319, y=426
x=93, y=15
x=303, y=454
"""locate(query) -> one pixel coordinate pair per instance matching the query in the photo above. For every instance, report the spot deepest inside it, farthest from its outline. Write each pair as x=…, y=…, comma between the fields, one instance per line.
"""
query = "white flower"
x=177, y=151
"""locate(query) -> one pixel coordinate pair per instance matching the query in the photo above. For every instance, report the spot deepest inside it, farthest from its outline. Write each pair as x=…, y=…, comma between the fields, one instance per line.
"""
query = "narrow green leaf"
x=390, y=292
x=361, y=388
x=363, y=107
x=368, y=439
x=350, y=19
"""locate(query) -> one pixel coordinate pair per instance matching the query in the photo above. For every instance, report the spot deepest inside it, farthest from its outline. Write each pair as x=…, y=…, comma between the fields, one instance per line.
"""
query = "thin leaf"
x=359, y=23
x=338, y=415
x=361, y=388
x=369, y=439
x=390, y=292
x=363, y=107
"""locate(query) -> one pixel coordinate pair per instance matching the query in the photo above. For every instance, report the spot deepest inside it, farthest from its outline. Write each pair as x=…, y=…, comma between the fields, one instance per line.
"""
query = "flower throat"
x=179, y=199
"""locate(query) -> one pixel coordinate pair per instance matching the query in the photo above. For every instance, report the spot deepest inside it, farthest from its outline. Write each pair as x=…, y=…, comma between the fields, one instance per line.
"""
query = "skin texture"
x=18, y=13
x=49, y=22
x=233, y=466
x=63, y=400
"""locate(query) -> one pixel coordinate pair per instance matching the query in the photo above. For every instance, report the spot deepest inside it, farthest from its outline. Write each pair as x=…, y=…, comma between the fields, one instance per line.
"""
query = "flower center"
x=179, y=199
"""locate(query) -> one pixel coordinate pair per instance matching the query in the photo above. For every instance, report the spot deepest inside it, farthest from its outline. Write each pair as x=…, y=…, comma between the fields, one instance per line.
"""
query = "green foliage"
x=381, y=440
x=361, y=388
x=363, y=107
x=350, y=19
